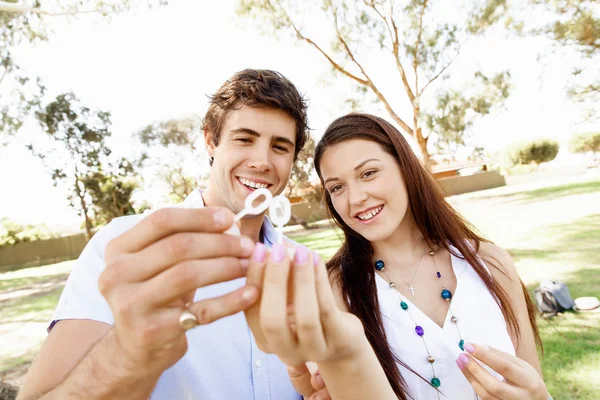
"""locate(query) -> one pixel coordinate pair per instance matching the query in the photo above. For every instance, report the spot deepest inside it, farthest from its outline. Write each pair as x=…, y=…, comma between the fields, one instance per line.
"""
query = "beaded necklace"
x=446, y=295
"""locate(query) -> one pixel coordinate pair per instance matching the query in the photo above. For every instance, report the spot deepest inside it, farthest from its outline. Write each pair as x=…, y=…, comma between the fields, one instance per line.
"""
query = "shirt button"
x=258, y=363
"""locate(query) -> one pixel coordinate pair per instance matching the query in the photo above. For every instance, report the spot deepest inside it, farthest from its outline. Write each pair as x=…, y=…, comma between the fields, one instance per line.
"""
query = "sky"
x=153, y=65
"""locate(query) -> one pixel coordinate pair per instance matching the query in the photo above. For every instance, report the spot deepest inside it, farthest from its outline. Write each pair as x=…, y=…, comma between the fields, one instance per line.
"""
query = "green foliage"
x=176, y=140
x=299, y=183
x=12, y=232
x=456, y=111
x=534, y=151
x=584, y=142
x=79, y=160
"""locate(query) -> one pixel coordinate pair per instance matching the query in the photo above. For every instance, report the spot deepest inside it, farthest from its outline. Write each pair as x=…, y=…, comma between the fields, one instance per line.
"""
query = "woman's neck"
x=404, y=247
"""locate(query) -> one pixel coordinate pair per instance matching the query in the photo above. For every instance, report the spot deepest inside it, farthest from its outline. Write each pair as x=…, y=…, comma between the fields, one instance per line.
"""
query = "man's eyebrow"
x=252, y=132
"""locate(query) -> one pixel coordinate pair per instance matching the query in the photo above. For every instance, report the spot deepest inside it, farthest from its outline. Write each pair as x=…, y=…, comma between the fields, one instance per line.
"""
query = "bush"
x=535, y=151
x=12, y=233
x=584, y=142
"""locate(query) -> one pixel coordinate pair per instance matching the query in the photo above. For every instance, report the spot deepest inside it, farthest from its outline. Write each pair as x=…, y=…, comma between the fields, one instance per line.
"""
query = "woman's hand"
x=310, y=386
x=522, y=380
x=296, y=316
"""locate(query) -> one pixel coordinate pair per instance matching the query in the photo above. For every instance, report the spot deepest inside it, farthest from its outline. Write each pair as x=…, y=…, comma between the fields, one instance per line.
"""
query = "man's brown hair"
x=257, y=88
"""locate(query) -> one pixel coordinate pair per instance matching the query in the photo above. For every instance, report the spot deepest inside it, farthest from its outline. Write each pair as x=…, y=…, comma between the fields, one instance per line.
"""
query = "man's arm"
x=82, y=360
x=151, y=274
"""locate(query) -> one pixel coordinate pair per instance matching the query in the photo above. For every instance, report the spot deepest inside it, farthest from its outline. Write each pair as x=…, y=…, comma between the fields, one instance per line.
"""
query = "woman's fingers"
x=306, y=306
x=330, y=314
x=254, y=277
x=301, y=379
x=273, y=305
x=485, y=384
x=510, y=367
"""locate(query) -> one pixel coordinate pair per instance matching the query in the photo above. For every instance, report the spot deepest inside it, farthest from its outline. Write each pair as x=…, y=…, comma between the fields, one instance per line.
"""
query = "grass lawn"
x=552, y=231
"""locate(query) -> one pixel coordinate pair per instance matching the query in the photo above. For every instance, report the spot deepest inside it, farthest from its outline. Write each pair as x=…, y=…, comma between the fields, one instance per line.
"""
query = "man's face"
x=256, y=149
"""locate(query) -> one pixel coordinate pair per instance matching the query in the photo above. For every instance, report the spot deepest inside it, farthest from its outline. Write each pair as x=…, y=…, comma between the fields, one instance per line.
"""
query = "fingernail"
x=316, y=259
x=464, y=359
x=469, y=348
x=277, y=253
x=459, y=363
x=301, y=255
x=244, y=264
x=247, y=245
x=319, y=380
x=248, y=294
x=220, y=217
x=259, y=253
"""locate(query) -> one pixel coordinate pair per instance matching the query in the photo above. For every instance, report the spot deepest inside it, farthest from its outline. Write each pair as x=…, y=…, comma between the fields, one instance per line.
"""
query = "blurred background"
x=102, y=101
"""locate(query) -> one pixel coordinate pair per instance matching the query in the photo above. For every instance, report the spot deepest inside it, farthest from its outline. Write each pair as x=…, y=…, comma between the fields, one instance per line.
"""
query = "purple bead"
x=419, y=330
x=439, y=275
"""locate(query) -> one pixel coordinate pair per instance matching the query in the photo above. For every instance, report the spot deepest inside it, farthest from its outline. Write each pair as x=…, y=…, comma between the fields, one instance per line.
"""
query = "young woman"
x=444, y=309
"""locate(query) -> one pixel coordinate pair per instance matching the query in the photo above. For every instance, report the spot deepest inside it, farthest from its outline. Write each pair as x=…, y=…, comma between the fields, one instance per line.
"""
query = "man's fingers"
x=301, y=379
x=177, y=248
x=317, y=381
x=167, y=221
x=187, y=276
x=321, y=395
x=209, y=310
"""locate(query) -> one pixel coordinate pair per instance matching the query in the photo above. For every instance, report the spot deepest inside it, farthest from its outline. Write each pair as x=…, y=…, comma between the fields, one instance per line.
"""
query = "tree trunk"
x=423, y=146
x=84, y=209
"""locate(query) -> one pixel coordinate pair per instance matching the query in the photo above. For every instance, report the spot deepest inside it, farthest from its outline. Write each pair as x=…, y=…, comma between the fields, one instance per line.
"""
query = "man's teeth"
x=253, y=185
x=370, y=214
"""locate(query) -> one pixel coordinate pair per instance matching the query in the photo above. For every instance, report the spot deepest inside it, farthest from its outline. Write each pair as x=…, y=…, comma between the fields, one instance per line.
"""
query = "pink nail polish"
x=259, y=253
x=459, y=363
x=277, y=253
x=301, y=255
x=469, y=348
x=464, y=359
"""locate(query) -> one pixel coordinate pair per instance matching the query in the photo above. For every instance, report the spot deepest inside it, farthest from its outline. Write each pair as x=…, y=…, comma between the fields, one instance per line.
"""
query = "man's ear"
x=209, y=140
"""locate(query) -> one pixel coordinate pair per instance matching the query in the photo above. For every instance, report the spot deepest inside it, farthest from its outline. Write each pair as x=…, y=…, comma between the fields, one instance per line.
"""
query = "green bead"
x=461, y=344
x=404, y=305
x=436, y=382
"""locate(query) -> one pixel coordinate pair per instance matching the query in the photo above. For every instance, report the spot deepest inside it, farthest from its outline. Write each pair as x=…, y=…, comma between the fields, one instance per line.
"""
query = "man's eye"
x=281, y=148
x=243, y=140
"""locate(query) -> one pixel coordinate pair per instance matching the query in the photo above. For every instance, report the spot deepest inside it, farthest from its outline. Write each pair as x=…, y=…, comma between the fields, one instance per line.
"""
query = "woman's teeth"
x=368, y=215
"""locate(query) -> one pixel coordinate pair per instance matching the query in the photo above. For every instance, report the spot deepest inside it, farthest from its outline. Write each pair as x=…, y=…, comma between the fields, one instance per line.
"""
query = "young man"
x=120, y=330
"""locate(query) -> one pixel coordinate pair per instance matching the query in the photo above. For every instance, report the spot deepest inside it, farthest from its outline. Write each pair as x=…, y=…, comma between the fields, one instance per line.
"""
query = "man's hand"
x=152, y=272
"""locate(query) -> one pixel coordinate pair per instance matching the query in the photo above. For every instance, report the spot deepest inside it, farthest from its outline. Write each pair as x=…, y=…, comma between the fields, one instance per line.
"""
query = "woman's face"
x=366, y=187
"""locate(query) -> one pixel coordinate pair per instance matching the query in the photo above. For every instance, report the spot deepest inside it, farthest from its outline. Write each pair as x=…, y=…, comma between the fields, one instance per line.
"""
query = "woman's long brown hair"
x=437, y=221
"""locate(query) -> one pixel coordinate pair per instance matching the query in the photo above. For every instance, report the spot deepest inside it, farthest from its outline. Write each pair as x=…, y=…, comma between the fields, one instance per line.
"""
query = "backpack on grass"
x=553, y=297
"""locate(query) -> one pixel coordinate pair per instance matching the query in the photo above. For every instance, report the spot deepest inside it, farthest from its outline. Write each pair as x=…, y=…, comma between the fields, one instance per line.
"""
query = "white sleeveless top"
x=480, y=321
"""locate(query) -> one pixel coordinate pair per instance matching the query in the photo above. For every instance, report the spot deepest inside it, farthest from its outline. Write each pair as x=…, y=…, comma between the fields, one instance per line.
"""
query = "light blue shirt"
x=222, y=361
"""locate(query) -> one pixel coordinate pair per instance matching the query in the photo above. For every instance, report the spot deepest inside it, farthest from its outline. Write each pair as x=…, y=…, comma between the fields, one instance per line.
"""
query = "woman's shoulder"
x=501, y=264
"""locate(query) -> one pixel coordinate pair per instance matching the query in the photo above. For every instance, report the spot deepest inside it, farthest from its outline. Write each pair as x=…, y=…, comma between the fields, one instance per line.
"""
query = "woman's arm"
x=505, y=273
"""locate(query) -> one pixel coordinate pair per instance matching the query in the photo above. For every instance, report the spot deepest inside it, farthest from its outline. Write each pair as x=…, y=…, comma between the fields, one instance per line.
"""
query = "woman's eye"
x=369, y=173
x=335, y=188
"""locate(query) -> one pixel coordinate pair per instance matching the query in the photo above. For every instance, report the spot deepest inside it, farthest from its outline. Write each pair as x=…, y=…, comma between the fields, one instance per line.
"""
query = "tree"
x=586, y=142
x=299, y=183
x=172, y=148
x=27, y=21
x=573, y=24
x=423, y=44
x=456, y=111
x=534, y=151
x=78, y=159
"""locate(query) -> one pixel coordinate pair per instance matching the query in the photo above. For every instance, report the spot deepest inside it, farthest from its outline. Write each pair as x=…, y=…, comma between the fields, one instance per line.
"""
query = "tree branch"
x=416, y=59
x=443, y=69
x=22, y=8
x=316, y=46
x=396, y=52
